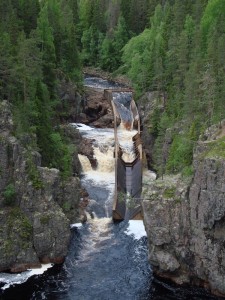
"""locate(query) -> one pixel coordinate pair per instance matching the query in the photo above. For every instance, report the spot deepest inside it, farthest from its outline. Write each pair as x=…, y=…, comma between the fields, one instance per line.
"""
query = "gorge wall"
x=36, y=204
x=185, y=218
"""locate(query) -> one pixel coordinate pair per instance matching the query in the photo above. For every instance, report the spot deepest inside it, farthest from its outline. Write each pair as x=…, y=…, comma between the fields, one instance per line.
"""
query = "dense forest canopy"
x=38, y=48
x=170, y=46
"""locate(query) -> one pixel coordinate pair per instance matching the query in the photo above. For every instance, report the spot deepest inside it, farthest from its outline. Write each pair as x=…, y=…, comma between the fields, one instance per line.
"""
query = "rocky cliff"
x=185, y=219
x=36, y=204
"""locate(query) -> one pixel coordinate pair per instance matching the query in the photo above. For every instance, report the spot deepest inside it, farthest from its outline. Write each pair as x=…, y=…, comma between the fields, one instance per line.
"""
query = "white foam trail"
x=76, y=225
x=136, y=229
x=81, y=126
x=100, y=231
x=11, y=279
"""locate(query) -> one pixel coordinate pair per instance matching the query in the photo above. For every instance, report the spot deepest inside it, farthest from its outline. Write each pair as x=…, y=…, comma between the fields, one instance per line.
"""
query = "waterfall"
x=85, y=163
x=105, y=159
x=103, y=147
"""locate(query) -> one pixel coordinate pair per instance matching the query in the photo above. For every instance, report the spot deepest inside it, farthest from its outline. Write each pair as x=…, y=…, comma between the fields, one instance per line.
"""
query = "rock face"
x=36, y=205
x=185, y=221
x=146, y=106
x=97, y=110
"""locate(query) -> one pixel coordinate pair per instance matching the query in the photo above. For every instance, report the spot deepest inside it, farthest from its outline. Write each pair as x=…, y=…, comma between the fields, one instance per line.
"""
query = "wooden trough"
x=128, y=175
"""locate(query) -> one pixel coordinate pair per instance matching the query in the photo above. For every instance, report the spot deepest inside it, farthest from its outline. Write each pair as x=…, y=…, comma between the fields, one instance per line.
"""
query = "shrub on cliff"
x=9, y=195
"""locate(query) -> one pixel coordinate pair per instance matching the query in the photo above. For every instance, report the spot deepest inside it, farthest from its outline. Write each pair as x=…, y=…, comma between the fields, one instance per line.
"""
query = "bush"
x=188, y=171
x=180, y=155
x=33, y=173
x=169, y=192
x=9, y=195
x=61, y=155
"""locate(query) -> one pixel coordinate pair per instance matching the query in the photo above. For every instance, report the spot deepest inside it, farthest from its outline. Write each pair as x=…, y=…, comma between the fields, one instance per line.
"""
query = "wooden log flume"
x=128, y=174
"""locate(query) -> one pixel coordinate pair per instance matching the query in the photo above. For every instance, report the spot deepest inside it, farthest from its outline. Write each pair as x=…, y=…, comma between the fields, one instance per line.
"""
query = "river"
x=106, y=260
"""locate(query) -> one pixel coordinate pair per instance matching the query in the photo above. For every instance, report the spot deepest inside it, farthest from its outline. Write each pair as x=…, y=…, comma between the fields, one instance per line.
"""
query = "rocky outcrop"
x=147, y=104
x=71, y=101
x=97, y=110
x=36, y=204
x=185, y=220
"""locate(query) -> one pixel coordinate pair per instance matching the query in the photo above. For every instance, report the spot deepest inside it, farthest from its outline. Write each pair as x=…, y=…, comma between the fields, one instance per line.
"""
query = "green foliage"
x=216, y=149
x=169, y=192
x=215, y=9
x=180, y=155
x=6, y=65
x=39, y=46
x=9, y=195
x=45, y=33
x=155, y=121
x=136, y=13
x=33, y=173
x=60, y=155
x=188, y=171
x=18, y=223
x=104, y=30
x=174, y=47
x=45, y=219
x=144, y=55
x=27, y=12
x=66, y=206
x=159, y=155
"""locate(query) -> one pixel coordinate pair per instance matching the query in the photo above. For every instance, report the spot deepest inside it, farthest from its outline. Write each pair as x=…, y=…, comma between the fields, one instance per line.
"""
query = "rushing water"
x=122, y=102
x=106, y=260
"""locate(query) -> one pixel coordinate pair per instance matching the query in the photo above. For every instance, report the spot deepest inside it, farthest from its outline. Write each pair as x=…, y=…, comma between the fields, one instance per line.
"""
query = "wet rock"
x=86, y=148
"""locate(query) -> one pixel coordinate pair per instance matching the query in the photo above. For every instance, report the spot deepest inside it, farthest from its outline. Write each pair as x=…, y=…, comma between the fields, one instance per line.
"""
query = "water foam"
x=136, y=229
x=11, y=279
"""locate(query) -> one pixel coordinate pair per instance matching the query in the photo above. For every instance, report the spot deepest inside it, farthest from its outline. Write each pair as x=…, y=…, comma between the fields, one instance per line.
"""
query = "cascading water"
x=106, y=261
x=122, y=101
x=126, y=144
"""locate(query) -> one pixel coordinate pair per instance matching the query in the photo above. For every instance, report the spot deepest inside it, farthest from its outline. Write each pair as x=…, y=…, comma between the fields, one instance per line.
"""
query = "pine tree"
x=6, y=67
x=28, y=67
x=27, y=13
x=45, y=34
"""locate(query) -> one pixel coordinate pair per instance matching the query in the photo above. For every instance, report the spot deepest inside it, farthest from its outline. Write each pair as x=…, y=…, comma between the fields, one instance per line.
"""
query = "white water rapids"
x=104, y=147
x=104, y=174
